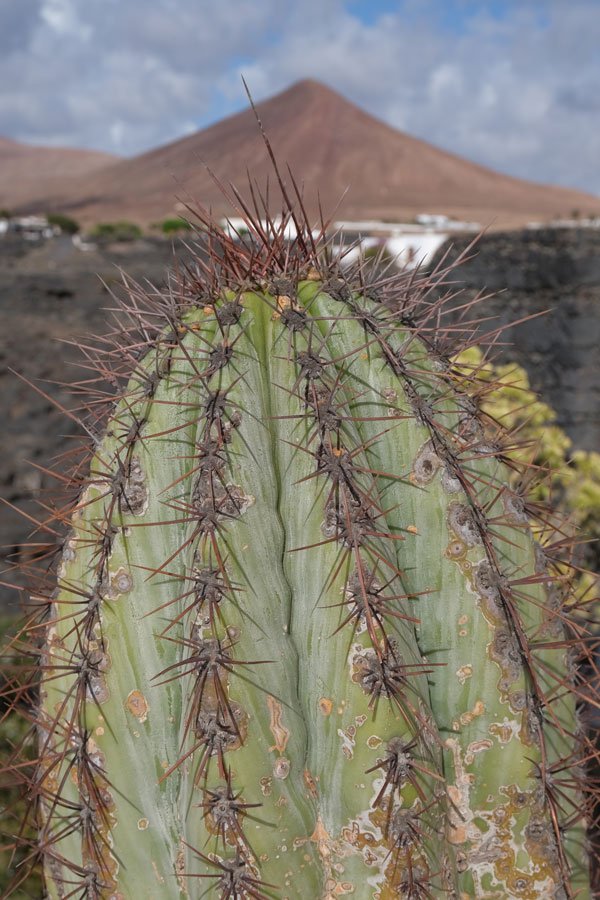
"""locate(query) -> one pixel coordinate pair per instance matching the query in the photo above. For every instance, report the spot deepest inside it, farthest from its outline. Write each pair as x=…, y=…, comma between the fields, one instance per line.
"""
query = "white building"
x=408, y=243
x=31, y=228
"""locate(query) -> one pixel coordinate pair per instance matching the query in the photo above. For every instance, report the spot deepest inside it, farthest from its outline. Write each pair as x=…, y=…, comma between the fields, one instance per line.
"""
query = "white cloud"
x=62, y=18
x=517, y=92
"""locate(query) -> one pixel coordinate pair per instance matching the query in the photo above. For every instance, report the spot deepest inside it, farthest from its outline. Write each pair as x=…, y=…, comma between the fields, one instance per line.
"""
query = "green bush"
x=172, y=226
x=572, y=485
x=66, y=224
x=116, y=231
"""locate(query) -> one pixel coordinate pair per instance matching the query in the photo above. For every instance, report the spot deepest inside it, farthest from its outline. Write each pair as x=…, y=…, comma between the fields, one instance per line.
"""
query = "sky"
x=511, y=84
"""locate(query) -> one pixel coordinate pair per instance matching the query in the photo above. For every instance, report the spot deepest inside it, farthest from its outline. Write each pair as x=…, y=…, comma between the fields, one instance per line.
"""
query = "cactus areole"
x=302, y=642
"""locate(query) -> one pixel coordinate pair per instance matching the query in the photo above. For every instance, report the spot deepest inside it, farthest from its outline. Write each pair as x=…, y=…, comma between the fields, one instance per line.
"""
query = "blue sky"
x=452, y=15
x=511, y=84
x=368, y=13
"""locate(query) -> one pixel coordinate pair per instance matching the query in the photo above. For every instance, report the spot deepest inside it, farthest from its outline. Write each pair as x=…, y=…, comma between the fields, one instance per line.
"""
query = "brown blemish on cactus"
x=97, y=689
x=212, y=502
x=121, y=582
x=348, y=740
x=459, y=810
x=531, y=729
x=545, y=876
x=68, y=555
x=504, y=651
x=504, y=731
x=310, y=783
x=394, y=846
x=462, y=522
x=467, y=717
x=137, y=705
x=464, y=672
x=142, y=824
x=426, y=465
x=135, y=492
x=241, y=501
x=282, y=302
x=514, y=507
x=278, y=730
x=540, y=841
x=456, y=550
x=328, y=850
x=485, y=583
x=476, y=747
x=477, y=710
x=281, y=768
x=490, y=847
x=325, y=705
x=450, y=482
x=96, y=664
x=266, y=785
x=462, y=621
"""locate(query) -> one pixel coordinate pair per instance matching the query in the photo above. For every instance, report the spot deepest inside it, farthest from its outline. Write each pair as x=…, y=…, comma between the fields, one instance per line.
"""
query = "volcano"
x=356, y=165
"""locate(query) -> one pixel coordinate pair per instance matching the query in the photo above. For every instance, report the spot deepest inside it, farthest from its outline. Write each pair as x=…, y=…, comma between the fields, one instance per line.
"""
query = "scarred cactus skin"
x=302, y=641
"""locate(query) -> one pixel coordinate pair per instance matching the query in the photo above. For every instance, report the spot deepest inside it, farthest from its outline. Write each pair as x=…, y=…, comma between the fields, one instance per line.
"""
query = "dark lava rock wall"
x=51, y=296
x=557, y=272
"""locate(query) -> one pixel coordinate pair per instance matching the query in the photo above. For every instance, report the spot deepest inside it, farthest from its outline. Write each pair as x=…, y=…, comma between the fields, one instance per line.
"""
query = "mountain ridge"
x=28, y=171
x=331, y=145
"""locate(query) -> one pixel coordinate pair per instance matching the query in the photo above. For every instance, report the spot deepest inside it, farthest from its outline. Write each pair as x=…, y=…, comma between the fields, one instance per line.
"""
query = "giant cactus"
x=302, y=642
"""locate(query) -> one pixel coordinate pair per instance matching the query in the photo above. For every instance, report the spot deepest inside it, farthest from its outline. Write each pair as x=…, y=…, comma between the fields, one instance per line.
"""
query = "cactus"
x=302, y=641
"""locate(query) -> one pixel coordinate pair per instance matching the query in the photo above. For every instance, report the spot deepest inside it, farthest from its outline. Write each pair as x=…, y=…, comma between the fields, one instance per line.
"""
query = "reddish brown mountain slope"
x=28, y=173
x=331, y=145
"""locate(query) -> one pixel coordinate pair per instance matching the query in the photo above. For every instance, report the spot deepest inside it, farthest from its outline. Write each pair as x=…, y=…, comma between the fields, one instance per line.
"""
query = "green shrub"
x=569, y=480
x=172, y=226
x=116, y=231
x=66, y=224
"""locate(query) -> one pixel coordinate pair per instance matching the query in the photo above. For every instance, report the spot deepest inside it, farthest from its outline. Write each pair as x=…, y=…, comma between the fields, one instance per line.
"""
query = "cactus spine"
x=303, y=642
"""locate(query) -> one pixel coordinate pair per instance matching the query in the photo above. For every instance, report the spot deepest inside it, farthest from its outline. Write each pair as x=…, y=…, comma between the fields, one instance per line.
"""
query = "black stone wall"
x=556, y=272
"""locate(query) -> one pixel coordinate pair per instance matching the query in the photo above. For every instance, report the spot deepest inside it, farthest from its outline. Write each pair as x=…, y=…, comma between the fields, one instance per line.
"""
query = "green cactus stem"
x=302, y=642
